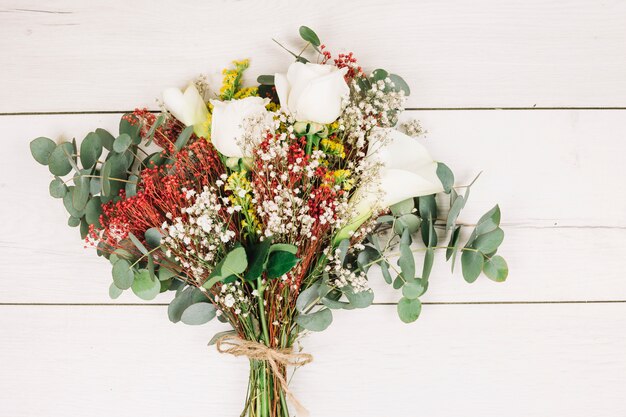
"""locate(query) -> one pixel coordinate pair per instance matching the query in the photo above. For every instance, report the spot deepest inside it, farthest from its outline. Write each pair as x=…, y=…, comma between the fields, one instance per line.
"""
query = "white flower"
x=312, y=92
x=227, y=123
x=188, y=107
x=407, y=171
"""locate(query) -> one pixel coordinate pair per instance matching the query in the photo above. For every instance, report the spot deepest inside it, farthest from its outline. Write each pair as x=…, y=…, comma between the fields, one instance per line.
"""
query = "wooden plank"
x=531, y=360
x=73, y=55
x=554, y=174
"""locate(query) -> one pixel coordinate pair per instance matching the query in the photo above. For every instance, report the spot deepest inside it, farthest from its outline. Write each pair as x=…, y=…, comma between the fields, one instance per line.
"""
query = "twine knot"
x=236, y=346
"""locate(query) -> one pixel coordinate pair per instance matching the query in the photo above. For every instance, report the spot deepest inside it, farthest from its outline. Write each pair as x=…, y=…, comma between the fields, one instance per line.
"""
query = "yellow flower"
x=231, y=83
x=333, y=147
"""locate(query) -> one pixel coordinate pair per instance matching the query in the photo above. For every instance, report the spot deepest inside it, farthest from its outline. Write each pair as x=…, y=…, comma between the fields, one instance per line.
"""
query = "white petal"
x=282, y=89
x=195, y=105
x=321, y=101
x=175, y=103
x=299, y=76
x=227, y=120
x=398, y=185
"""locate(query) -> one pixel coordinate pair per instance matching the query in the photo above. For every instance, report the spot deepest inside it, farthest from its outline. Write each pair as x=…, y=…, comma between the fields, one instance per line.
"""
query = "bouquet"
x=267, y=206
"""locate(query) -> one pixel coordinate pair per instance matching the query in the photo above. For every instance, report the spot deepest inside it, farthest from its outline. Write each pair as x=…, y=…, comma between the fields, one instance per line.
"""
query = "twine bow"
x=236, y=346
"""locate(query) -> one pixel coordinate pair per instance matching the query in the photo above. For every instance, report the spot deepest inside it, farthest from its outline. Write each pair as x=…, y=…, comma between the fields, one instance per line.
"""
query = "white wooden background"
x=532, y=92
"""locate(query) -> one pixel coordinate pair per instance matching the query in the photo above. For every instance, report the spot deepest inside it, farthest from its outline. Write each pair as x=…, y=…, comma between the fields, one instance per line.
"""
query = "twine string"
x=236, y=346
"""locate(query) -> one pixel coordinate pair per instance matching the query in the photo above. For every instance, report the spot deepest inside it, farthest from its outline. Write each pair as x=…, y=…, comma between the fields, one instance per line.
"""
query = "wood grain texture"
x=490, y=361
x=72, y=55
x=551, y=172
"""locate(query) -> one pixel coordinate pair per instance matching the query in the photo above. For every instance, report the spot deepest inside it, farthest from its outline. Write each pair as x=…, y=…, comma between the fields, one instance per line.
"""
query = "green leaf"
x=153, y=237
x=131, y=187
x=183, y=138
x=488, y=222
x=93, y=210
x=360, y=299
x=407, y=221
x=234, y=263
x=219, y=335
x=182, y=301
x=257, y=258
x=57, y=188
x=80, y=196
x=114, y=167
x=90, y=150
x=413, y=288
x=496, y=269
x=59, y=163
x=453, y=246
x=400, y=84
x=144, y=286
x=67, y=202
x=114, y=292
x=445, y=176
x=403, y=207
x=409, y=309
x=138, y=244
x=41, y=149
x=106, y=139
x=406, y=261
x=73, y=221
x=429, y=258
x=198, y=313
x=131, y=130
x=165, y=274
x=265, y=79
x=122, y=142
x=384, y=268
x=489, y=242
x=316, y=322
x=284, y=247
x=309, y=35
x=279, y=263
x=84, y=228
x=307, y=298
x=455, y=210
x=123, y=275
x=379, y=74
x=472, y=265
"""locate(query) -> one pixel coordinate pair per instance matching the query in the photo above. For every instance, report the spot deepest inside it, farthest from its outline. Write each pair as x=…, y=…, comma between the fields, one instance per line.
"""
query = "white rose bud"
x=312, y=92
x=188, y=107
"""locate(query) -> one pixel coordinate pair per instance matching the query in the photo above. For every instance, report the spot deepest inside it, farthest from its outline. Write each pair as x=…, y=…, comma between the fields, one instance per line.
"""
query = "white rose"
x=408, y=171
x=227, y=123
x=188, y=107
x=312, y=92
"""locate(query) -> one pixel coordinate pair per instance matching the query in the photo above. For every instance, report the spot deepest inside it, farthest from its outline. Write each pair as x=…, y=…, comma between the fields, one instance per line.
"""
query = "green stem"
x=261, y=290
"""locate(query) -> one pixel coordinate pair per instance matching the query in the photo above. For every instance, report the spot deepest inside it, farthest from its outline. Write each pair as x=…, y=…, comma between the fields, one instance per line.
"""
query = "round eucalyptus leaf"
x=409, y=309
x=114, y=292
x=122, y=142
x=41, y=149
x=106, y=139
x=379, y=74
x=182, y=301
x=198, y=313
x=316, y=322
x=123, y=275
x=489, y=242
x=80, y=196
x=153, y=237
x=73, y=221
x=57, y=188
x=413, y=289
x=131, y=187
x=407, y=221
x=59, y=163
x=165, y=274
x=496, y=268
x=403, y=207
x=360, y=299
x=471, y=264
x=93, y=210
x=399, y=84
x=90, y=150
x=144, y=286
x=67, y=202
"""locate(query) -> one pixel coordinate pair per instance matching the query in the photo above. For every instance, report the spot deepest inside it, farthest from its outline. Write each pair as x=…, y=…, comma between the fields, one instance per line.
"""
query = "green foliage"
x=307, y=298
x=309, y=35
x=153, y=237
x=114, y=292
x=445, y=176
x=496, y=269
x=265, y=79
x=317, y=321
x=234, y=263
x=57, y=188
x=106, y=139
x=59, y=160
x=93, y=210
x=145, y=286
x=399, y=84
x=123, y=274
x=90, y=150
x=280, y=262
x=472, y=263
x=41, y=149
x=199, y=313
x=409, y=309
x=122, y=142
x=258, y=254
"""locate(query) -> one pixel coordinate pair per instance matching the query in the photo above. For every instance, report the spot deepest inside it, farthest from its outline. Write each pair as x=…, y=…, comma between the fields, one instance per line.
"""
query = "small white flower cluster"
x=378, y=106
x=343, y=277
x=414, y=128
x=233, y=296
x=201, y=236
